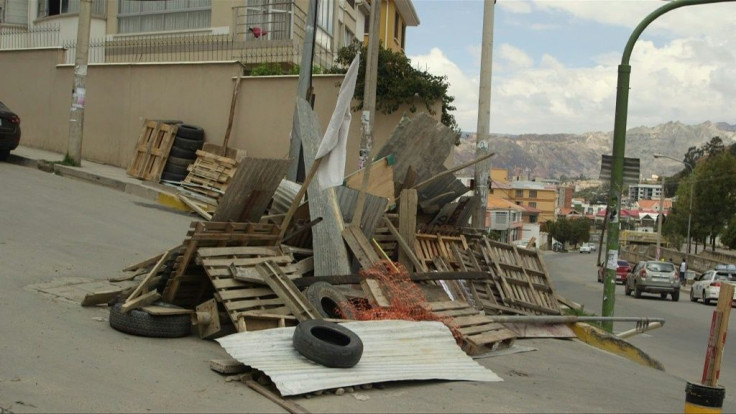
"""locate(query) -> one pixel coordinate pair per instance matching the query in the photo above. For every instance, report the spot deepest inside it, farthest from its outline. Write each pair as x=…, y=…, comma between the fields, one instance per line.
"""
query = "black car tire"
x=663, y=295
x=4, y=154
x=676, y=296
x=327, y=343
x=183, y=153
x=169, y=176
x=188, y=144
x=175, y=169
x=706, y=300
x=692, y=296
x=627, y=291
x=637, y=291
x=137, y=322
x=192, y=132
x=181, y=162
x=330, y=302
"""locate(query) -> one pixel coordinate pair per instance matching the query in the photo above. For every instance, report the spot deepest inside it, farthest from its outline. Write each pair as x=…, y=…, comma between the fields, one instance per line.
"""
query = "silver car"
x=653, y=277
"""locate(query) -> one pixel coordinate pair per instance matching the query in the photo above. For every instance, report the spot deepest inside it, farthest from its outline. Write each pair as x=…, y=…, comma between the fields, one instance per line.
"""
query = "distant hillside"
x=553, y=155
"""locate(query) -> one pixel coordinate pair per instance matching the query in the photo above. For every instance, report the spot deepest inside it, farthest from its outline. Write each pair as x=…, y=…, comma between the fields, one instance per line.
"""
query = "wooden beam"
x=407, y=224
x=405, y=246
x=452, y=170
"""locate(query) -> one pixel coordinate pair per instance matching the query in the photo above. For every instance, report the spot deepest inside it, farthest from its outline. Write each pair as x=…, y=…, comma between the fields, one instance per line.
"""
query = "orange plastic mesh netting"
x=406, y=298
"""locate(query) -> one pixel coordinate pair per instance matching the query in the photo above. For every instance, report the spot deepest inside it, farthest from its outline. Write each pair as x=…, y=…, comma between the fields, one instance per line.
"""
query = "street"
x=59, y=234
x=680, y=344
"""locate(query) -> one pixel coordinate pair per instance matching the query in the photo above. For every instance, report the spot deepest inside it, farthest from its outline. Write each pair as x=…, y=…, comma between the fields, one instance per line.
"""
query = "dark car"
x=9, y=131
x=622, y=270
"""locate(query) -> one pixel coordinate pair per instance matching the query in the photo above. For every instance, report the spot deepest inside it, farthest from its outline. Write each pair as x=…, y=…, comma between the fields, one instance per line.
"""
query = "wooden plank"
x=194, y=206
x=404, y=246
x=360, y=246
x=717, y=338
x=98, y=298
x=207, y=319
x=165, y=311
x=142, y=300
x=143, y=285
x=250, y=190
x=143, y=149
x=330, y=252
x=164, y=139
x=228, y=366
x=407, y=224
x=288, y=292
x=145, y=263
x=380, y=181
x=239, y=250
x=289, y=406
x=244, y=261
x=372, y=289
x=373, y=209
x=245, y=292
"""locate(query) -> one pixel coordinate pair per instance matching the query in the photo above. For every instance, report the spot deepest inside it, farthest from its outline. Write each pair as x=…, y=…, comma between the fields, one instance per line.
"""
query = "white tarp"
x=393, y=350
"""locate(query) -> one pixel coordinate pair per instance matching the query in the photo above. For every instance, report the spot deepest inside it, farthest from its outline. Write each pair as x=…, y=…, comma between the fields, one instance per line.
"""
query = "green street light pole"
x=619, y=145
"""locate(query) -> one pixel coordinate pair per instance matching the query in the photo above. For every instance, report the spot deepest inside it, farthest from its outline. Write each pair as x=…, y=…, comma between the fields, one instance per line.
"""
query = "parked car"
x=653, y=277
x=557, y=247
x=9, y=131
x=708, y=285
x=585, y=248
x=623, y=269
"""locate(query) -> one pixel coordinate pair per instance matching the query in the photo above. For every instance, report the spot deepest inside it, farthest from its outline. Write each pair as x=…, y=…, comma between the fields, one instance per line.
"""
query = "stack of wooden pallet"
x=209, y=177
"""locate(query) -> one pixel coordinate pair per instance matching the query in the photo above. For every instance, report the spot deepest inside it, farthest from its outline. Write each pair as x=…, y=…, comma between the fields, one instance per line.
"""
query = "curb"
x=603, y=340
x=163, y=198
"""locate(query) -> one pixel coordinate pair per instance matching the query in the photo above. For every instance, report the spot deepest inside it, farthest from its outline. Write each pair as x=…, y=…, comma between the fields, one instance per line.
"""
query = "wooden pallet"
x=531, y=294
x=238, y=296
x=479, y=333
x=210, y=174
x=429, y=246
x=212, y=234
x=152, y=150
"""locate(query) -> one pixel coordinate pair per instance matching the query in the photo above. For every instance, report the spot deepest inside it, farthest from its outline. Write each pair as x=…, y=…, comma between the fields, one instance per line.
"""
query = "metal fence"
x=22, y=38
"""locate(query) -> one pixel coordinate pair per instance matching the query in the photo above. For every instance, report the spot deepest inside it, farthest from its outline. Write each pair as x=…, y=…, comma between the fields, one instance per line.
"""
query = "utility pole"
x=482, y=146
x=660, y=219
x=371, y=79
x=79, y=91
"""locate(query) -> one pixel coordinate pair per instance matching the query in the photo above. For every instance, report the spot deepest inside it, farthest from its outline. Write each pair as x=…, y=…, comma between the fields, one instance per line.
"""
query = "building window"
x=532, y=193
x=56, y=7
x=533, y=219
x=156, y=16
x=519, y=193
x=349, y=37
x=325, y=29
x=533, y=204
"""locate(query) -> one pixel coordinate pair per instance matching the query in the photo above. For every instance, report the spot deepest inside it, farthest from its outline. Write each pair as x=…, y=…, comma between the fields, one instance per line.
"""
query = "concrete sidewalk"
x=106, y=175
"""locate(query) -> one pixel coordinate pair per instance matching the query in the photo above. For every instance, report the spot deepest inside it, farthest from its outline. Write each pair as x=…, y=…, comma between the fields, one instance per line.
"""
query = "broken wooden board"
x=330, y=253
x=407, y=224
x=228, y=366
x=479, y=333
x=152, y=150
x=250, y=190
x=98, y=298
x=207, y=319
x=234, y=153
x=380, y=181
x=360, y=246
x=297, y=303
x=373, y=209
x=210, y=175
x=237, y=296
x=211, y=234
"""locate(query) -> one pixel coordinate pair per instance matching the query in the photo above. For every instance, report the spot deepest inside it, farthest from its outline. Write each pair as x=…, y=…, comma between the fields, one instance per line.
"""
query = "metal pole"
x=371, y=79
x=619, y=144
x=569, y=319
x=79, y=90
x=690, y=210
x=482, y=146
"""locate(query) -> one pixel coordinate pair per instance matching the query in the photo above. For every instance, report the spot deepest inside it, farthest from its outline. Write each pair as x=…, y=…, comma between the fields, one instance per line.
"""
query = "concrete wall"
x=121, y=96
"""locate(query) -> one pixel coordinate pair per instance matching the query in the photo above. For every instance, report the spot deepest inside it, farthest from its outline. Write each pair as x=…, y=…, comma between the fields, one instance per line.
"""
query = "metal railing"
x=23, y=38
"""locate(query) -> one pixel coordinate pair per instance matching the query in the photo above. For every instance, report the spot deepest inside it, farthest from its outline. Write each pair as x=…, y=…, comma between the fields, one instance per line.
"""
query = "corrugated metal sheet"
x=392, y=351
x=631, y=169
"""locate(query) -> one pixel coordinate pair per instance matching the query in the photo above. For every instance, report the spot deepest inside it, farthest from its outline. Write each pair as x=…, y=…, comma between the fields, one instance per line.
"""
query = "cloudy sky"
x=555, y=62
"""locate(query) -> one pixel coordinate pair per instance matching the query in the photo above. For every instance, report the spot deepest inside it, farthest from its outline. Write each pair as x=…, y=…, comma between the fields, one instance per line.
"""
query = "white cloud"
x=512, y=57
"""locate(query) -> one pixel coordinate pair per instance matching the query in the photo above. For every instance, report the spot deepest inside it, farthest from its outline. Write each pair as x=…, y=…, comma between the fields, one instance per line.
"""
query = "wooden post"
x=717, y=339
x=233, y=101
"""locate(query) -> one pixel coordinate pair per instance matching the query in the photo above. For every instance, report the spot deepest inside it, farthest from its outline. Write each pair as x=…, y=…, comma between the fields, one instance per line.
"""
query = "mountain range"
x=579, y=155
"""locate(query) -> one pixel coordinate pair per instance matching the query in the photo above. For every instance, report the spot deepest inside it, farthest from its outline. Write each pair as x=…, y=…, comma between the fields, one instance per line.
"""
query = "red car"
x=622, y=271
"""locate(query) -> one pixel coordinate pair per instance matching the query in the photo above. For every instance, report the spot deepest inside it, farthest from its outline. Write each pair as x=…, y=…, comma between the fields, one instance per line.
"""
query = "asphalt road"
x=59, y=234
x=680, y=344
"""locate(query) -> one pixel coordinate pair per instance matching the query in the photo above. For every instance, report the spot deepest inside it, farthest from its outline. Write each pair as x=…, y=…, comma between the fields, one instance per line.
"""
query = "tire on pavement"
x=330, y=302
x=692, y=296
x=327, y=343
x=627, y=291
x=169, y=176
x=637, y=291
x=137, y=322
x=676, y=296
x=192, y=132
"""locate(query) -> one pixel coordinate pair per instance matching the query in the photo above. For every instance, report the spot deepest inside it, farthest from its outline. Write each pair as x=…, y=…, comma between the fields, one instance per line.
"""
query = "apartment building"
x=644, y=192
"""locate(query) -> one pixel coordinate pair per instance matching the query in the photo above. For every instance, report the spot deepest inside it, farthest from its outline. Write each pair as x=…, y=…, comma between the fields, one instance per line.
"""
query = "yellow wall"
x=545, y=199
x=389, y=39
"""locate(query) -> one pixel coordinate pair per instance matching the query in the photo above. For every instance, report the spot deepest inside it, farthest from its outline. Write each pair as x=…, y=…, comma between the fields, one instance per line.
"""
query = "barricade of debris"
x=387, y=254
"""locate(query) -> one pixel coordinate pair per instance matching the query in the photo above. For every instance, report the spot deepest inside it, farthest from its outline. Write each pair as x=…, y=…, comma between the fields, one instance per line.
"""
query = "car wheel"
x=627, y=291
x=663, y=295
x=675, y=296
x=637, y=291
x=692, y=296
x=327, y=343
x=706, y=300
x=4, y=155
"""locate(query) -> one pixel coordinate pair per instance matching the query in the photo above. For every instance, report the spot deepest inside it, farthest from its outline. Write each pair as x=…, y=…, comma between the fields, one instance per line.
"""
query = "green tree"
x=715, y=195
x=728, y=237
x=560, y=230
x=399, y=83
x=579, y=230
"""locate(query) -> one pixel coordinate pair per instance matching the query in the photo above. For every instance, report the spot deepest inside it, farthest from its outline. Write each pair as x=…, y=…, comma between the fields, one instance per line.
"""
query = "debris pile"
x=391, y=243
